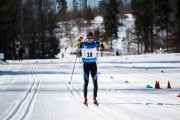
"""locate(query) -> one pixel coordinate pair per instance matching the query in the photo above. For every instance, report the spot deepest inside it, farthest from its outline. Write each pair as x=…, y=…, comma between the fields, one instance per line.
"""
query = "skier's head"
x=90, y=34
x=101, y=37
x=90, y=37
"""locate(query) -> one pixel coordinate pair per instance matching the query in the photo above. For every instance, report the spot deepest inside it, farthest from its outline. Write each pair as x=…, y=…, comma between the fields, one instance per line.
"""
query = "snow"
x=98, y=19
x=39, y=89
x=1, y=62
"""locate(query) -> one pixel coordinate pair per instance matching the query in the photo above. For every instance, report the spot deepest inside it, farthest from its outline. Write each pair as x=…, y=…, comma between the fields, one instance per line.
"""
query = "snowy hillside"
x=39, y=89
x=75, y=32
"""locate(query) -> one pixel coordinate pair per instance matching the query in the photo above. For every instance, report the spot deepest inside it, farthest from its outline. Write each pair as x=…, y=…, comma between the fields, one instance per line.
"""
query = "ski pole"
x=73, y=70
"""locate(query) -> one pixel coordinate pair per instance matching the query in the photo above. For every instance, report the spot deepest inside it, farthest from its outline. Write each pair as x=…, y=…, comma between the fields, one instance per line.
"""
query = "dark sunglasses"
x=90, y=38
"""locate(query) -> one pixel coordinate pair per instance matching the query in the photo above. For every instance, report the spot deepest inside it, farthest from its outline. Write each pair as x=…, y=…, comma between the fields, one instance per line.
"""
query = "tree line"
x=30, y=24
x=157, y=24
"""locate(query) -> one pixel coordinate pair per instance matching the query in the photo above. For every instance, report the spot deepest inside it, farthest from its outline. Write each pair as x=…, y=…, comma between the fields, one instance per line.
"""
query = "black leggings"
x=90, y=68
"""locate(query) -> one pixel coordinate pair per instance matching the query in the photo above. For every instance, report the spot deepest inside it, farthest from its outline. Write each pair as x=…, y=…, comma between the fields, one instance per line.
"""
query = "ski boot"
x=95, y=101
x=85, y=101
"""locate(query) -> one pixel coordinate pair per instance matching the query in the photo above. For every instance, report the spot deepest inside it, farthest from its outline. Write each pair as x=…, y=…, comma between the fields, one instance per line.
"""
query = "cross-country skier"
x=101, y=47
x=89, y=56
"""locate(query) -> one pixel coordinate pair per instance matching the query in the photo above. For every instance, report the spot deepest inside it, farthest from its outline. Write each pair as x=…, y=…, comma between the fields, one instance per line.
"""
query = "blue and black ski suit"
x=89, y=58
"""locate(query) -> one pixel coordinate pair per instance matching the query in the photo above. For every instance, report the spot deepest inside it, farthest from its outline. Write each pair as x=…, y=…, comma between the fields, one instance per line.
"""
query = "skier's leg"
x=86, y=79
x=95, y=88
x=94, y=77
x=85, y=90
x=85, y=87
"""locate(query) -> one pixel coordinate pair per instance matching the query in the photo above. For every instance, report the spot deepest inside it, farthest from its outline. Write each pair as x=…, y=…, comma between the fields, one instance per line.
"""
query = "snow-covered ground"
x=39, y=89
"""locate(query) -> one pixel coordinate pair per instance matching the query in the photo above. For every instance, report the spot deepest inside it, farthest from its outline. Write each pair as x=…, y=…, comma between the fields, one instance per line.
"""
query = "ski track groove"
x=101, y=109
x=44, y=114
x=143, y=101
x=147, y=102
x=54, y=69
x=30, y=97
x=153, y=76
x=160, y=78
x=133, y=70
x=157, y=105
x=79, y=97
x=148, y=74
x=34, y=95
x=25, y=104
x=4, y=67
x=108, y=110
x=21, y=101
x=120, y=96
x=7, y=77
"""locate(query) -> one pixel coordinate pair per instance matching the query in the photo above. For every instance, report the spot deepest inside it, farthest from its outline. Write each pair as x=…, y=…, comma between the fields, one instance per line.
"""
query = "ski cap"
x=90, y=34
x=100, y=35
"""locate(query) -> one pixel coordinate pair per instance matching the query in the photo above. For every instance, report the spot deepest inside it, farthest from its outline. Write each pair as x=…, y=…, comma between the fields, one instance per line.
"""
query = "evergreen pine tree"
x=102, y=7
x=88, y=14
x=178, y=24
x=111, y=20
x=150, y=16
x=62, y=9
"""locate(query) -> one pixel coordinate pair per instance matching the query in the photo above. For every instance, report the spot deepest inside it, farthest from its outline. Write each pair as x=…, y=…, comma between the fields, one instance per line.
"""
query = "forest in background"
x=31, y=24
x=157, y=24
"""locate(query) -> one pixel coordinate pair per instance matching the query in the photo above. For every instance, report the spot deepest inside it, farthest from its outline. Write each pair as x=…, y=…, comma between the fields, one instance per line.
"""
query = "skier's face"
x=90, y=39
x=101, y=38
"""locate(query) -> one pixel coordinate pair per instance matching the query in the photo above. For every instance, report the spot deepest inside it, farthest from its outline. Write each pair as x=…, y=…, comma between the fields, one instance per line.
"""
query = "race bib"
x=88, y=53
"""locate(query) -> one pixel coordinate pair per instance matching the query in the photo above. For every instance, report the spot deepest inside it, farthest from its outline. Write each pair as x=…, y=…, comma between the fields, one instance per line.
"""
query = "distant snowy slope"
x=97, y=23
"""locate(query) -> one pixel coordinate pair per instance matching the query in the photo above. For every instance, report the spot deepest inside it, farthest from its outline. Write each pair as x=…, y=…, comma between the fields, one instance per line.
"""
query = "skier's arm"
x=77, y=43
x=104, y=44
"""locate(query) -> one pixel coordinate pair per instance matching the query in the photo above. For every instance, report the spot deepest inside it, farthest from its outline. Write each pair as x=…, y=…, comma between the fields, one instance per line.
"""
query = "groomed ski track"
x=39, y=90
